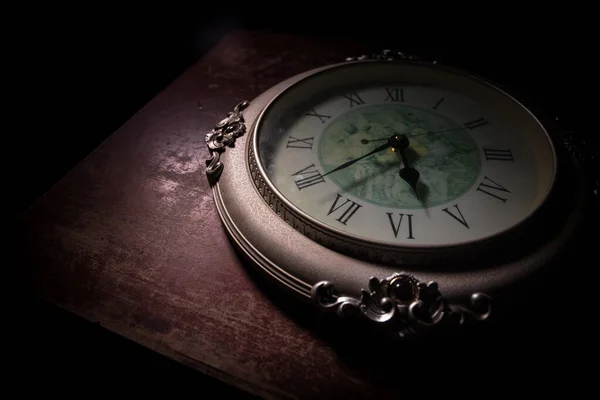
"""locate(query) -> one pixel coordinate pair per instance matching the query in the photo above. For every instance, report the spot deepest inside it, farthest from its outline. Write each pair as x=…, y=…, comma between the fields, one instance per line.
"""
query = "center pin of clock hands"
x=400, y=143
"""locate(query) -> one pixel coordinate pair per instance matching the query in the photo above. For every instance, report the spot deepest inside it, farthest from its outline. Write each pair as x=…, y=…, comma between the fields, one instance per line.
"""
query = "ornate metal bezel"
x=464, y=256
x=268, y=235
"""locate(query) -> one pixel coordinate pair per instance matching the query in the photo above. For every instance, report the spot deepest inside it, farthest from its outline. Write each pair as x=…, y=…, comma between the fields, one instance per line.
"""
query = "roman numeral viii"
x=347, y=209
x=489, y=184
x=307, y=177
x=303, y=143
x=396, y=226
x=354, y=99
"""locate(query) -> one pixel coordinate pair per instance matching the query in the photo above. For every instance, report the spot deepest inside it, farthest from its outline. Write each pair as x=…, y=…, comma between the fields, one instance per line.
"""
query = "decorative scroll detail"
x=222, y=136
x=402, y=303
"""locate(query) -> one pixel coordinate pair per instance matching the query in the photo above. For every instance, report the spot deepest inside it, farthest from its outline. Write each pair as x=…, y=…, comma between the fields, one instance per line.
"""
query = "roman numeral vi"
x=396, y=226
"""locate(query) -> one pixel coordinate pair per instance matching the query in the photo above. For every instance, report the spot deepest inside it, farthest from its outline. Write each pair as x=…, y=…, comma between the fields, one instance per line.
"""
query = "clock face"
x=484, y=163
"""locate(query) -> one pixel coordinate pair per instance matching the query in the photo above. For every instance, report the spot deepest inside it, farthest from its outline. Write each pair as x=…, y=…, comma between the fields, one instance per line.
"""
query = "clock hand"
x=367, y=141
x=396, y=141
x=409, y=174
x=349, y=163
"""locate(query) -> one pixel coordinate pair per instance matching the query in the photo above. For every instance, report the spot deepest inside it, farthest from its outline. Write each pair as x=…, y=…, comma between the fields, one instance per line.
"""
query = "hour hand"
x=408, y=173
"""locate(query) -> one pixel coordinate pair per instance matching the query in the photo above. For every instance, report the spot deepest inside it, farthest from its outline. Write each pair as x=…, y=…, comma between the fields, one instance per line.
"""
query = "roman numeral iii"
x=346, y=209
x=499, y=155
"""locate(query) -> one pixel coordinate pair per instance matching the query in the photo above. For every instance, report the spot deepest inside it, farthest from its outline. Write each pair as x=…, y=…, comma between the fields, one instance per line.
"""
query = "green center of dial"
x=449, y=162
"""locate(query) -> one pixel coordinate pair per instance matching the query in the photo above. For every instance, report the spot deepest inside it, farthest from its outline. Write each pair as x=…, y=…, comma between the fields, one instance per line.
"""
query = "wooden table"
x=130, y=239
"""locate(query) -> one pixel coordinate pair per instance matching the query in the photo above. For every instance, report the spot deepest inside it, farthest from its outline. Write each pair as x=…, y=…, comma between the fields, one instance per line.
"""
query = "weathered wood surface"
x=130, y=239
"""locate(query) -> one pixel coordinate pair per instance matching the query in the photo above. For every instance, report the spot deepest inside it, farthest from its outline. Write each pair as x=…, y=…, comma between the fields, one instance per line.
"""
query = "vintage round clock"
x=398, y=190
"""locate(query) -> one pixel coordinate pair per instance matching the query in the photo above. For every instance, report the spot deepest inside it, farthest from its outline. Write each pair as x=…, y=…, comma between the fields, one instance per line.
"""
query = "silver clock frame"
x=307, y=262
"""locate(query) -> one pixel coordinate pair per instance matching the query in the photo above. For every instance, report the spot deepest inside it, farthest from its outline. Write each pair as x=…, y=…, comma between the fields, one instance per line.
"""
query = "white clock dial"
x=480, y=172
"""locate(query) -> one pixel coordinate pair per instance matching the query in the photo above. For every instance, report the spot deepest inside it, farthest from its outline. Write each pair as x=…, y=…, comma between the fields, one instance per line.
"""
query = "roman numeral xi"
x=354, y=99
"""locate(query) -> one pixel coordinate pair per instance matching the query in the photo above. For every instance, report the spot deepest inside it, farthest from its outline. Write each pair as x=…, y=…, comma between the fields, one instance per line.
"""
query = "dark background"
x=84, y=74
x=80, y=74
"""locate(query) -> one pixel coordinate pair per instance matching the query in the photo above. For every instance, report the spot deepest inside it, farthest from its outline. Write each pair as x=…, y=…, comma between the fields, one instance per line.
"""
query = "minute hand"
x=349, y=163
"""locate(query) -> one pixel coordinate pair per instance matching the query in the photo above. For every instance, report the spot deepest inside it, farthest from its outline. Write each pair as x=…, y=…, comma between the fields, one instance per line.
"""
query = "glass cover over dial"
x=401, y=154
